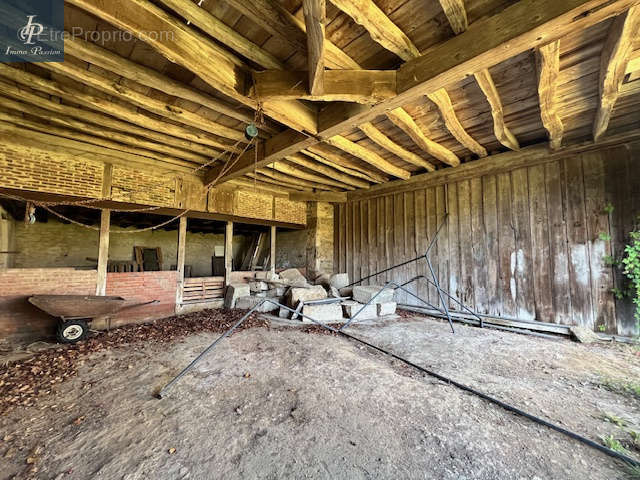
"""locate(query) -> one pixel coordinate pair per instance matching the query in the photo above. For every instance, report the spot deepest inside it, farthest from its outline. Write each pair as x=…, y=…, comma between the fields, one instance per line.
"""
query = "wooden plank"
x=272, y=248
x=443, y=102
x=103, y=252
x=389, y=253
x=456, y=14
x=228, y=253
x=349, y=241
x=381, y=232
x=443, y=239
x=306, y=162
x=466, y=291
x=489, y=210
x=454, y=244
x=598, y=230
x=182, y=244
x=368, y=156
x=379, y=26
x=579, y=271
x=407, y=124
x=500, y=129
x=410, y=245
x=315, y=18
x=360, y=86
x=385, y=142
x=524, y=269
x=479, y=248
x=432, y=227
x=548, y=70
x=613, y=65
x=363, y=247
x=345, y=166
x=398, y=242
x=357, y=253
x=507, y=253
x=420, y=223
x=372, y=240
x=343, y=238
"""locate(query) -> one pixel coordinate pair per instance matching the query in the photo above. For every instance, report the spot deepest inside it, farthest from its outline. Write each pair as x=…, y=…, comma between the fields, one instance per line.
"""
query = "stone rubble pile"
x=312, y=299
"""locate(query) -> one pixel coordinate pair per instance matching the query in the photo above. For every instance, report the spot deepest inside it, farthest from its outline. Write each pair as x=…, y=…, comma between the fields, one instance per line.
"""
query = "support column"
x=319, y=238
x=182, y=246
x=228, y=253
x=103, y=252
x=272, y=251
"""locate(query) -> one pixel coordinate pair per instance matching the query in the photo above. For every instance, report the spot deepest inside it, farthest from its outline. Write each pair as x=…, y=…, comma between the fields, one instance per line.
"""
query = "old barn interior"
x=414, y=225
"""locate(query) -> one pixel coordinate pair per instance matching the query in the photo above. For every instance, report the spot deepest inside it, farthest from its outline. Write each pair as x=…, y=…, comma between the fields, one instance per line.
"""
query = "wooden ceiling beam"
x=385, y=142
x=269, y=171
x=368, y=156
x=456, y=14
x=315, y=18
x=548, y=70
x=92, y=53
x=379, y=26
x=329, y=197
x=196, y=53
x=443, y=102
x=613, y=65
x=339, y=163
x=263, y=178
x=306, y=162
x=360, y=86
x=401, y=119
x=294, y=171
x=282, y=24
x=146, y=102
x=103, y=120
x=262, y=186
x=502, y=132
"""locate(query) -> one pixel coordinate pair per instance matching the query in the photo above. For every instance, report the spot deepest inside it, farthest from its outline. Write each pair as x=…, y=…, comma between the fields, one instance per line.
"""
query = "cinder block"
x=387, y=308
x=295, y=295
x=363, y=294
x=324, y=313
x=351, y=309
x=235, y=291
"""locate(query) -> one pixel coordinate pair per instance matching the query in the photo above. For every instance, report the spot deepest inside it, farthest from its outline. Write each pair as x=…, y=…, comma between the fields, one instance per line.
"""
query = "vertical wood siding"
x=524, y=243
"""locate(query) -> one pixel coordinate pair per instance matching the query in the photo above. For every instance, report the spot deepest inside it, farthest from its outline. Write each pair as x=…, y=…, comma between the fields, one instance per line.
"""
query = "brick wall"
x=142, y=287
x=19, y=320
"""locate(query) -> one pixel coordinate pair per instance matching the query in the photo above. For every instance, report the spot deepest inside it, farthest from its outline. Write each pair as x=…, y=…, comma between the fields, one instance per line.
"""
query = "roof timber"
x=315, y=18
x=456, y=14
x=368, y=156
x=327, y=171
x=548, y=69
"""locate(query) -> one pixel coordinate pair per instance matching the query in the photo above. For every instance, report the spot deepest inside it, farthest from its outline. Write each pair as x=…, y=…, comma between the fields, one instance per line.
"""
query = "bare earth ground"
x=280, y=403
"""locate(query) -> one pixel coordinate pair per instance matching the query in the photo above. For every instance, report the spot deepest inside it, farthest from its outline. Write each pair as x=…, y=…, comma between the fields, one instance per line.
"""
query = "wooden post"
x=272, y=251
x=103, y=252
x=182, y=244
x=228, y=253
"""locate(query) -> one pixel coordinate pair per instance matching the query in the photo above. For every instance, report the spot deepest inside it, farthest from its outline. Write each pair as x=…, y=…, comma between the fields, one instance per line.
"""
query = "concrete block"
x=325, y=313
x=363, y=294
x=258, y=286
x=295, y=295
x=339, y=280
x=351, y=308
x=235, y=291
x=246, y=303
x=387, y=308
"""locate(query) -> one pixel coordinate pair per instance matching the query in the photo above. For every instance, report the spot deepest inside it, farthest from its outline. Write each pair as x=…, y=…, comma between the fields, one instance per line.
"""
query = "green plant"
x=602, y=328
x=612, y=418
x=608, y=208
x=610, y=261
x=633, y=472
x=619, y=294
x=605, y=237
x=614, y=444
x=623, y=388
x=631, y=263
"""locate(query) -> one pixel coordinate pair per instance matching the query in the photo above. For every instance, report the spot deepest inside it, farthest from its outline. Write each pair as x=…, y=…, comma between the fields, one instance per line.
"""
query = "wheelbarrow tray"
x=77, y=306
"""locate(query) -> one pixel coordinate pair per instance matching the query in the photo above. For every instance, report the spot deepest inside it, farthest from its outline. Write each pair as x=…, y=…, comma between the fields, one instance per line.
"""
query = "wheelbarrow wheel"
x=72, y=331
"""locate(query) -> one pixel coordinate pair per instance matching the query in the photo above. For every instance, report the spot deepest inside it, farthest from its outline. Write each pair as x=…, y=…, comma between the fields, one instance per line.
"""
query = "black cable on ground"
x=506, y=406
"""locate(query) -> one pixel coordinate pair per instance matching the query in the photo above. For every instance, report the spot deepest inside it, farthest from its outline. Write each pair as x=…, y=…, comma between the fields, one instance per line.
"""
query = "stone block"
x=363, y=294
x=267, y=276
x=324, y=313
x=351, y=308
x=295, y=295
x=386, y=308
x=246, y=303
x=290, y=274
x=284, y=313
x=323, y=279
x=258, y=286
x=339, y=280
x=235, y=291
x=334, y=292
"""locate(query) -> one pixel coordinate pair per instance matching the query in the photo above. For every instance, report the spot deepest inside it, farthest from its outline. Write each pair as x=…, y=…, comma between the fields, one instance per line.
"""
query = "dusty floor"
x=285, y=404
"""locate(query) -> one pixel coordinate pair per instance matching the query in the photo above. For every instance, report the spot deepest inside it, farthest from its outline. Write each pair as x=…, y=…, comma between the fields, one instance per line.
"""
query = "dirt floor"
x=283, y=403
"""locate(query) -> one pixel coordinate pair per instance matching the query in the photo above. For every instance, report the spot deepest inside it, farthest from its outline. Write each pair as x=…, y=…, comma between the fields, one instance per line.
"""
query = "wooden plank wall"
x=524, y=242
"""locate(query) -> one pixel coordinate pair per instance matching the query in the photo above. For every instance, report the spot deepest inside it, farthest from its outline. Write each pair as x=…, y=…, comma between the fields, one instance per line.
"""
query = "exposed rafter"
x=456, y=14
x=613, y=65
x=502, y=132
x=407, y=124
x=368, y=156
x=441, y=99
x=294, y=171
x=323, y=154
x=306, y=162
x=330, y=197
x=379, y=26
x=548, y=70
x=315, y=17
x=277, y=174
x=385, y=142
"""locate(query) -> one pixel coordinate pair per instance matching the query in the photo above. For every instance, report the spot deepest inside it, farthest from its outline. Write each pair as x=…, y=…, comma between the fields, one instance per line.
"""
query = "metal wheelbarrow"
x=77, y=311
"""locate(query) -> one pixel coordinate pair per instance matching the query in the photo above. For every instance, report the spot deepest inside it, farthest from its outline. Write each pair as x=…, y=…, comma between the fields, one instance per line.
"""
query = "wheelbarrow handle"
x=138, y=305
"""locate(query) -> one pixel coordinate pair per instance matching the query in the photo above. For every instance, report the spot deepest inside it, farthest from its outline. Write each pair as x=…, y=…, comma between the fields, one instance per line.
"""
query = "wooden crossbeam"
x=548, y=70
x=104, y=105
x=315, y=18
x=324, y=154
x=294, y=171
x=385, y=142
x=306, y=162
x=279, y=22
x=379, y=26
x=368, y=156
x=613, y=65
x=276, y=174
x=330, y=197
x=502, y=132
x=361, y=86
x=443, y=102
x=262, y=186
x=456, y=14
x=197, y=53
x=408, y=125
x=103, y=120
